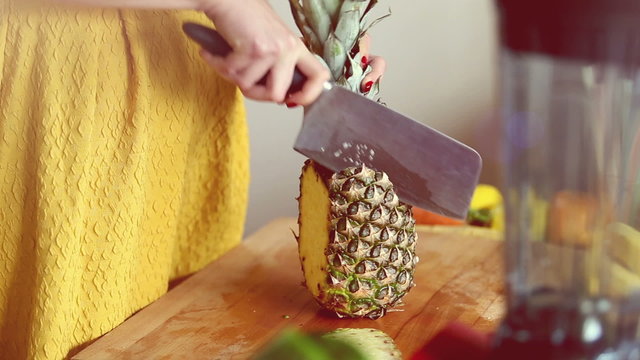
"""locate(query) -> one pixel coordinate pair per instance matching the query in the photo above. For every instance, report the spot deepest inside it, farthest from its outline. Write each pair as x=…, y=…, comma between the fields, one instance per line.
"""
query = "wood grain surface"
x=236, y=304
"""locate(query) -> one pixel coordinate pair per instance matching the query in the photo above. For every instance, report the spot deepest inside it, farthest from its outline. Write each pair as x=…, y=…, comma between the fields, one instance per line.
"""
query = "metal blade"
x=428, y=169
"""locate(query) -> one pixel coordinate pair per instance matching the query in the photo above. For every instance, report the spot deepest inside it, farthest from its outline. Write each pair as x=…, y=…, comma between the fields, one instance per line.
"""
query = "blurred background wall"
x=442, y=59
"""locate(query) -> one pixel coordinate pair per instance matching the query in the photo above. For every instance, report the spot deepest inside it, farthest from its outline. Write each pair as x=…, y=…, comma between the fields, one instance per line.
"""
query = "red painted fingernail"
x=368, y=86
x=365, y=61
x=291, y=105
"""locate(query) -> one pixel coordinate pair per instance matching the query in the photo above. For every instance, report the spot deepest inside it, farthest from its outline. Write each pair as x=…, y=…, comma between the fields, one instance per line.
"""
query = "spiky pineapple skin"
x=340, y=344
x=369, y=257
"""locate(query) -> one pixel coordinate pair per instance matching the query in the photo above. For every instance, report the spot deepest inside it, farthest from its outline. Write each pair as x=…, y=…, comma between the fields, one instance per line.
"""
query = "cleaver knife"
x=341, y=129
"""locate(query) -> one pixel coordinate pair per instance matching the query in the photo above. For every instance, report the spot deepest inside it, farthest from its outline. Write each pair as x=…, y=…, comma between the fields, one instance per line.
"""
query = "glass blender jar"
x=571, y=132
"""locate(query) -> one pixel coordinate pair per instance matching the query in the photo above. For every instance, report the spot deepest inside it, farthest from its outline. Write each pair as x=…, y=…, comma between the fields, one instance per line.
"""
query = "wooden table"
x=239, y=302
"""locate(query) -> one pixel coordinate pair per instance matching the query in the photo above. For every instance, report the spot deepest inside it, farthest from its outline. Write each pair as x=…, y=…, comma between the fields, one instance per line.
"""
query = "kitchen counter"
x=242, y=300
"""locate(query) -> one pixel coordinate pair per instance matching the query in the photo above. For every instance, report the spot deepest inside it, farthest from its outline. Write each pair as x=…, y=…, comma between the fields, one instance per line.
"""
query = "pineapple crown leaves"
x=331, y=29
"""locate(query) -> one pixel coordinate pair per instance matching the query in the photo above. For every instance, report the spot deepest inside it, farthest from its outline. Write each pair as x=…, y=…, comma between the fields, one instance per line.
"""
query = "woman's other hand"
x=377, y=63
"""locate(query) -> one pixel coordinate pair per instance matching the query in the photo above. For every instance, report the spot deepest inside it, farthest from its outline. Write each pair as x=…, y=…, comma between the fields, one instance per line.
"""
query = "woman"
x=123, y=159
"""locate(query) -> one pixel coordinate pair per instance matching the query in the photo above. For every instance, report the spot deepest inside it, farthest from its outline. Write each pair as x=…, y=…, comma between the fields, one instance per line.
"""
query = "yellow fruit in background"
x=486, y=197
x=624, y=248
x=623, y=282
x=624, y=245
x=487, y=208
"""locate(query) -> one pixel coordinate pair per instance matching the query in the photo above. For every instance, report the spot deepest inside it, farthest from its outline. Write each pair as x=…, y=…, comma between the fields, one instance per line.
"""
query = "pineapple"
x=340, y=344
x=374, y=344
x=356, y=242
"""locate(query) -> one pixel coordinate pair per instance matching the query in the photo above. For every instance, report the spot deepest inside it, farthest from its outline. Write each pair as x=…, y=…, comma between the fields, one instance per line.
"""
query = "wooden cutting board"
x=236, y=304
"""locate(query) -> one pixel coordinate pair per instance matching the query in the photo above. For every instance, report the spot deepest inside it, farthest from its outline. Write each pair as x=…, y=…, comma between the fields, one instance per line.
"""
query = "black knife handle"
x=211, y=41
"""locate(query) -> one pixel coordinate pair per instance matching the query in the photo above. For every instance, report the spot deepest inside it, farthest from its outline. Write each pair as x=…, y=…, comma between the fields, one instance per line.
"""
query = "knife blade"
x=342, y=129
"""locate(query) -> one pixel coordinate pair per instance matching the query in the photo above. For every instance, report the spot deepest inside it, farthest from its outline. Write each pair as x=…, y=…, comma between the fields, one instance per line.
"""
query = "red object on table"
x=456, y=342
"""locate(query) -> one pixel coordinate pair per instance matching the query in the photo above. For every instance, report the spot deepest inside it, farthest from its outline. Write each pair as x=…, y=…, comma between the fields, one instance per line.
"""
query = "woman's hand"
x=262, y=44
x=377, y=63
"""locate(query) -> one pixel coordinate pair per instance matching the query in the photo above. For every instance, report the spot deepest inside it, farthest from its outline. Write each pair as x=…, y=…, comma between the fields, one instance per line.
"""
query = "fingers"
x=216, y=62
x=247, y=74
x=378, y=67
x=365, y=45
x=378, y=64
x=278, y=81
x=316, y=73
x=247, y=71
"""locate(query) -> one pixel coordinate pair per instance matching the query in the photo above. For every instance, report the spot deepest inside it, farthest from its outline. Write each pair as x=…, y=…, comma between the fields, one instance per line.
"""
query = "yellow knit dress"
x=123, y=164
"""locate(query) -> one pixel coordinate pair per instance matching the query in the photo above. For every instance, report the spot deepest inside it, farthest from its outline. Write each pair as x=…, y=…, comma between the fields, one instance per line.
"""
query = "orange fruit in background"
x=425, y=217
x=574, y=217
